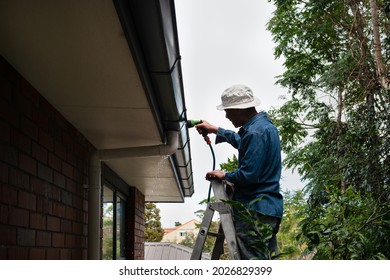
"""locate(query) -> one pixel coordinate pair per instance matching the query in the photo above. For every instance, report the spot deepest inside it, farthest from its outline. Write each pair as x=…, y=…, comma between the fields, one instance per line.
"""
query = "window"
x=114, y=205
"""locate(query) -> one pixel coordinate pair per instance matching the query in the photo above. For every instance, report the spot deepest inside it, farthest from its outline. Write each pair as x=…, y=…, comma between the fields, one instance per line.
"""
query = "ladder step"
x=226, y=229
x=214, y=234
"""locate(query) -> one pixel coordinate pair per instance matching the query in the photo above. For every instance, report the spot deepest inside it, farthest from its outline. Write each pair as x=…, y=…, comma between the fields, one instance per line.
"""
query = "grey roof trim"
x=151, y=32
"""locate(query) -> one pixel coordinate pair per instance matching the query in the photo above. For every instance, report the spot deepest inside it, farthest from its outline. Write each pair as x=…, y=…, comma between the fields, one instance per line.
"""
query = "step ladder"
x=226, y=228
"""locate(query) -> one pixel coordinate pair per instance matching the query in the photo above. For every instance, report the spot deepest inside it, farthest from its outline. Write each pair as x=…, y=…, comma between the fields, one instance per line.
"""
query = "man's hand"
x=207, y=127
x=216, y=174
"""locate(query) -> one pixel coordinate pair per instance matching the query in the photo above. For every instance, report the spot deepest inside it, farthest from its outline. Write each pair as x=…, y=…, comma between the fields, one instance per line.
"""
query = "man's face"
x=235, y=116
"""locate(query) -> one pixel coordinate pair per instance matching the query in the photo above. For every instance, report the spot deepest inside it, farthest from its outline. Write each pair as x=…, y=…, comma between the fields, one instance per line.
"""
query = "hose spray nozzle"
x=192, y=123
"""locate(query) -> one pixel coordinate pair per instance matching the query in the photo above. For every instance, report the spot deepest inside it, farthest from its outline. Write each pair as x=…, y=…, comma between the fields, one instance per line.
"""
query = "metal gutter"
x=151, y=32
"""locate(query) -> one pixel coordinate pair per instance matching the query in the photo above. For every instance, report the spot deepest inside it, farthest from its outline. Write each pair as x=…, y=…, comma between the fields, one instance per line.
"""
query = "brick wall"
x=43, y=167
x=136, y=227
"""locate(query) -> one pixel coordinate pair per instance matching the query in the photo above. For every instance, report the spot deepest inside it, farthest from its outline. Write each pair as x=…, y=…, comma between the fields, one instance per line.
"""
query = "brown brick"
x=8, y=154
x=26, y=237
x=70, y=241
x=23, y=105
x=5, y=131
x=4, y=214
x=55, y=192
x=52, y=253
x=18, y=253
x=44, y=205
x=45, y=173
x=37, y=186
x=37, y=254
x=27, y=200
x=39, y=153
x=3, y=253
x=60, y=150
x=70, y=213
x=29, y=128
x=6, y=88
x=58, y=209
x=18, y=178
x=28, y=164
x=78, y=176
x=53, y=223
x=54, y=162
x=77, y=228
x=45, y=140
x=8, y=235
x=77, y=254
x=66, y=254
x=8, y=195
x=78, y=202
x=3, y=173
x=40, y=119
x=18, y=217
x=43, y=239
x=66, y=198
x=66, y=226
x=72, y=159
x=8, y=113
x=67, y=170
x=37, y=221
x=59, y=180
x=58, y=240
x=20, y=141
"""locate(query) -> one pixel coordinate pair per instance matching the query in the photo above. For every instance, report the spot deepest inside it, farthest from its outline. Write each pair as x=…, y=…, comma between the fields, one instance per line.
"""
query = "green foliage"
x=153, y=230
x=189, y=240
x=108, y=221
x=349, y=226
x=230, y=165
x=293, y=214
x=335, y=126
x=260, y=232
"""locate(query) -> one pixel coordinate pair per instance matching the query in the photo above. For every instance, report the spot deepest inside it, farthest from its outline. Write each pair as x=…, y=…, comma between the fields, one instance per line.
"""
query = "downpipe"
x=94, y=187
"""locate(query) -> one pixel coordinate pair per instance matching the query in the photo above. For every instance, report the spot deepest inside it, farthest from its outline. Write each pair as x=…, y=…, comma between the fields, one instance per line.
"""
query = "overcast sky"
x=222, y=43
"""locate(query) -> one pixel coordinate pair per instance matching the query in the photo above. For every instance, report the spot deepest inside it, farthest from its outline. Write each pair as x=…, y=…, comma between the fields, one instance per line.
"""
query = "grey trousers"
x=245, y=241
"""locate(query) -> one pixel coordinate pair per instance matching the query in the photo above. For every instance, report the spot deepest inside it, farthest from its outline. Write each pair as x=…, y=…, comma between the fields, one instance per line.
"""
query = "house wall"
x=136, y=228
x=43, y=168
x=179, y=233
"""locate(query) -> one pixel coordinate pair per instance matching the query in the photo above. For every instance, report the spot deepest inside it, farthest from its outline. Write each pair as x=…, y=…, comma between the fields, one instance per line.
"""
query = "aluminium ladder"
x=226, y=228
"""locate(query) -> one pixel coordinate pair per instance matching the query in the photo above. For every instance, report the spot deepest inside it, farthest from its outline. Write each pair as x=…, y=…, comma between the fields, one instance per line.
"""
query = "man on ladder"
x=259, y=164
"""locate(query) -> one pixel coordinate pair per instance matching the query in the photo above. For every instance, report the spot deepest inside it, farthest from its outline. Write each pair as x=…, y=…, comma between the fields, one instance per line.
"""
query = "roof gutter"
x=151, y=32
x=94, y=188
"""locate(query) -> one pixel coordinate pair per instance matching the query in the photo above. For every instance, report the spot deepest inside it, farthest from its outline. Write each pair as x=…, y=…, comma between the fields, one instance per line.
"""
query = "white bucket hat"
x=238, y=97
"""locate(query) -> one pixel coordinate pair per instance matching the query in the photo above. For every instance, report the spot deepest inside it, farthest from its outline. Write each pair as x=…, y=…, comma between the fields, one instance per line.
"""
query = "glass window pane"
x=108, y=223
x=120, y=228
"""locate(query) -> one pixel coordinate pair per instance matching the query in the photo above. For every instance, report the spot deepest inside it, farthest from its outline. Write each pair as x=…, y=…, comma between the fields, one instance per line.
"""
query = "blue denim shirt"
x=259, y=164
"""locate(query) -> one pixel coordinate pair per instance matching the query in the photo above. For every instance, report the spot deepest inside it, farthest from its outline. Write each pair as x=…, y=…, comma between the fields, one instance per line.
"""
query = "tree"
x=335, y=126
x=153, y=230
x=293, y=213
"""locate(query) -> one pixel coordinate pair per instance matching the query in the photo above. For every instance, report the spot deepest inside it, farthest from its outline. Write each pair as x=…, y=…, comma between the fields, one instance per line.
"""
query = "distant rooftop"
x=169, y=251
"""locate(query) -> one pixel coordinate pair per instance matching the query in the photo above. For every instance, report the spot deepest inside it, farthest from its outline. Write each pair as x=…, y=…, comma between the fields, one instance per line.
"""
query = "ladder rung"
x=226, y=229
x=214, y=234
